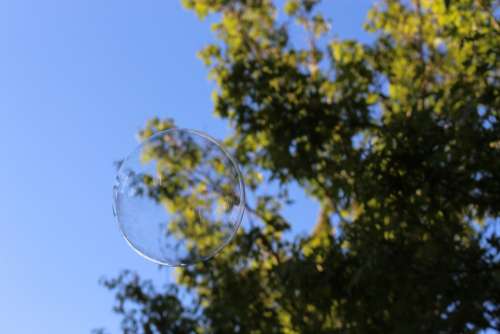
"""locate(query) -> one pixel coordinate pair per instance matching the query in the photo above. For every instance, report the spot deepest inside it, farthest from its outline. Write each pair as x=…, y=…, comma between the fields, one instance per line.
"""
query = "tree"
x=398, y=140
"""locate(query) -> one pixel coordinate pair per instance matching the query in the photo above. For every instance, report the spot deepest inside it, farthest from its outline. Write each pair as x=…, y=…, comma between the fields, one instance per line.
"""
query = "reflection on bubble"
x=179, y=197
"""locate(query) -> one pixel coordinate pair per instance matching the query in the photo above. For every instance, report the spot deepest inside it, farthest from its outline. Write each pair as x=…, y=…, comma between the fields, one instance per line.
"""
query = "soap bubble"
x=179, y=197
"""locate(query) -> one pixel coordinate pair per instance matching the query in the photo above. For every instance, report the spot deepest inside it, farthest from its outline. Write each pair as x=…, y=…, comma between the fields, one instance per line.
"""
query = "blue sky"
x=78, y=79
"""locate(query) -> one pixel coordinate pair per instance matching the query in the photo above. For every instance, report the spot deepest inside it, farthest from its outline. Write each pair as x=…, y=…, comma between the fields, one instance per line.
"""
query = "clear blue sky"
x=78, y=79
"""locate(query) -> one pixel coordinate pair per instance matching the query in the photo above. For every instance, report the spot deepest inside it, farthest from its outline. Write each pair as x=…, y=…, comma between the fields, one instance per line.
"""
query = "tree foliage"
x=397, y=139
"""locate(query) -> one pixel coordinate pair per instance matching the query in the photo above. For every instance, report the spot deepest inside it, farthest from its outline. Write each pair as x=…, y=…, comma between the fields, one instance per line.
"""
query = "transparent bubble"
x=179, y=197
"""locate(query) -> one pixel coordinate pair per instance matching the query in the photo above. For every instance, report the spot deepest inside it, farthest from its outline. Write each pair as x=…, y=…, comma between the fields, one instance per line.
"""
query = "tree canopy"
x=397, y=139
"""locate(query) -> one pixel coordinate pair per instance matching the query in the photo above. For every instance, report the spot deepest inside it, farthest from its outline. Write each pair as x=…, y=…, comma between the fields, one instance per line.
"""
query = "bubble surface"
x=179, y=197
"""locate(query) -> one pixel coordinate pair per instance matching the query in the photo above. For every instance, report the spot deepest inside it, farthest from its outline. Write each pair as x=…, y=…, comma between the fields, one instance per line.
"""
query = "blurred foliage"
x=398, y=140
